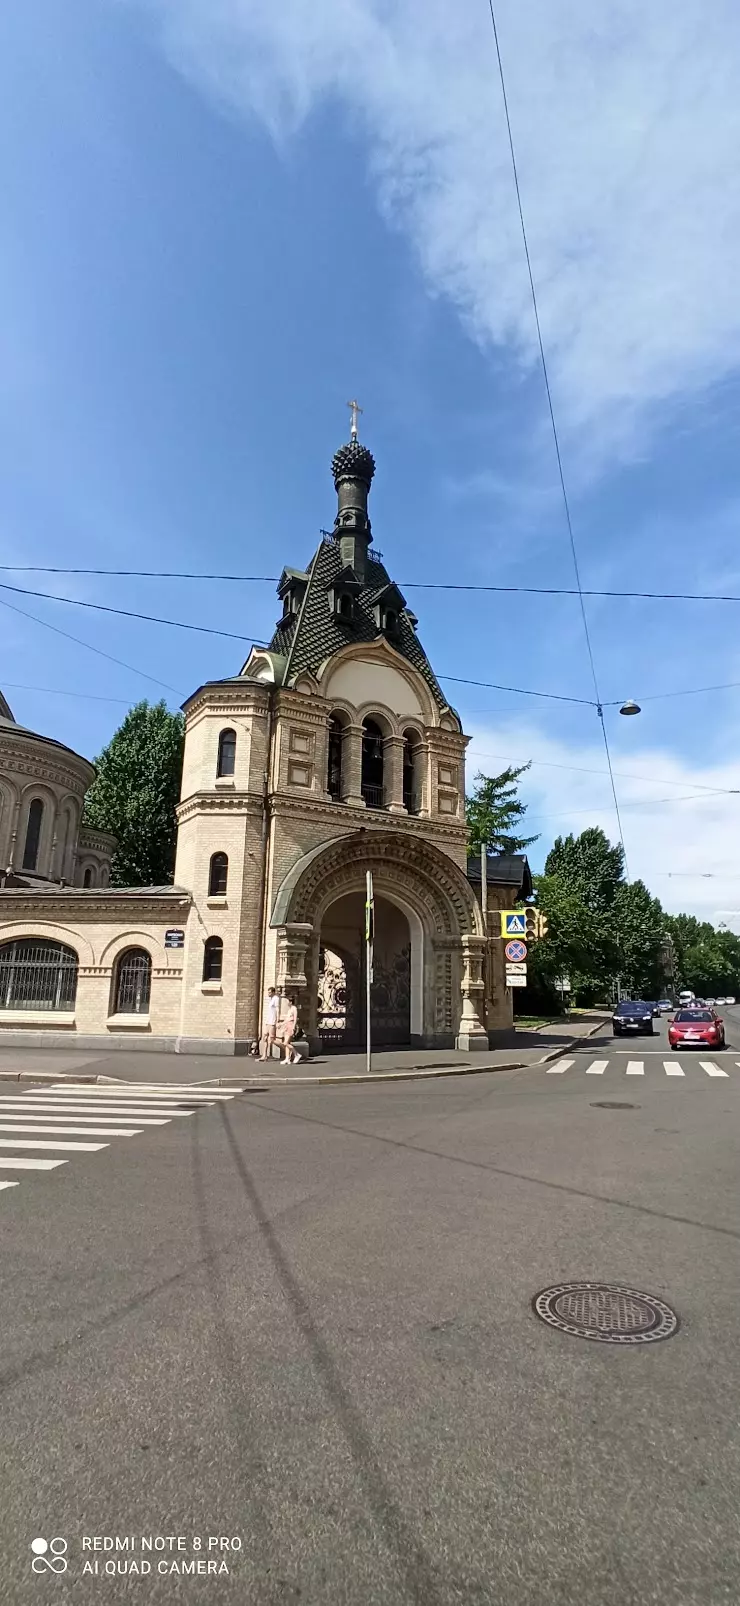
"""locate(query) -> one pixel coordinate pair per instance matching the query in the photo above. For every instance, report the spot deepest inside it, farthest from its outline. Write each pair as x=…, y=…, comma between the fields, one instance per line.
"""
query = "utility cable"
x=546, y=376
x=129, y=613
x=80, y=643
x=409, y=585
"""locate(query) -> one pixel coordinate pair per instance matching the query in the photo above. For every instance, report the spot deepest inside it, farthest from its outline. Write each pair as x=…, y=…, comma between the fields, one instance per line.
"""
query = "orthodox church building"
x=333, y=752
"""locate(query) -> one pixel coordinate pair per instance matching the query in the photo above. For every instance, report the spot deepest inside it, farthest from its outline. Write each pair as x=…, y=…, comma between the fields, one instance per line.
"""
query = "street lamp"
x=630, y=707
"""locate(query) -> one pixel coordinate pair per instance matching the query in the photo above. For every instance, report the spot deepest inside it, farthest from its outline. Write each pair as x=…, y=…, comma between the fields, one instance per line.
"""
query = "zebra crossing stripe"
x=635, y=1068
x=8, y=1185
x=56, y=1112
x=597, y=1068
x=48, y=1143
x=559, y=1066
x=32, y=1126
x=60, y=1105
x=13, y=1163
x=672, y=1068
x=712, y=1069
x=135, y=1090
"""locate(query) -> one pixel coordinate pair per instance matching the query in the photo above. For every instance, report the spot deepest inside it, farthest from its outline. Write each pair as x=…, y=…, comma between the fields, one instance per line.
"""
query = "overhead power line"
x=408, y=585
x=129, y=613
x=80, y=643
x=624, y=775
x=556, y=439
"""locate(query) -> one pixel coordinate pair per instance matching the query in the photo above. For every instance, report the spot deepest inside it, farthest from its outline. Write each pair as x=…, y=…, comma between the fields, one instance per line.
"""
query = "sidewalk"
x=525, y=1048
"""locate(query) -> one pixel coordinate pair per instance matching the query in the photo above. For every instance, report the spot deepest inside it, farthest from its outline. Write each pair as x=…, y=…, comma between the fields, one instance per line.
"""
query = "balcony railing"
x=373, y=795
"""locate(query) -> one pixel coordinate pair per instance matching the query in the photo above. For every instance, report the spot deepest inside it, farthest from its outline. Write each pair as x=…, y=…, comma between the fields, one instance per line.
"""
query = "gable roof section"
x=316, y=634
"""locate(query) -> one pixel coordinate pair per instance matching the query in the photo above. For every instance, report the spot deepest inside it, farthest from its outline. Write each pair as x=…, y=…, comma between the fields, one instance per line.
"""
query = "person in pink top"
x=289, y=1029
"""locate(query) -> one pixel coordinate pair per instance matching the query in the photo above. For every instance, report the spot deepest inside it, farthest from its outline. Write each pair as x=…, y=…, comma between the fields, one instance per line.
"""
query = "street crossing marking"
x=59, y=1112
x=47, y=1118
x=47, y=1143
x=12, y=1164
x=73, y=1131
x=634, y=1067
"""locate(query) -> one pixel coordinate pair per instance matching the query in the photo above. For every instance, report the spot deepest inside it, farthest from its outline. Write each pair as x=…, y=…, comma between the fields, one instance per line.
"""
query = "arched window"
x=372, y=764
x=334, y=765
x=36, y=974
x=412, y=778
x=218, y=875
x=33, y=834
x=133, y=982
x=87, y=879
x=226, y=753
x=213, y=959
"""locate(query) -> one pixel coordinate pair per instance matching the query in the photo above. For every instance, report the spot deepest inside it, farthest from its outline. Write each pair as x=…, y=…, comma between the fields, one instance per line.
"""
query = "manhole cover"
x=607, y=1104
x=606, y=1312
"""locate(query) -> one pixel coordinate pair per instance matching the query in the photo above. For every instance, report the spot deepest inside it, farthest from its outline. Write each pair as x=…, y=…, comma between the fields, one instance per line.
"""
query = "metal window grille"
x=373, y=795
x=219, y=876
x=133, y=982
x=37, y=975
x=213, y=959
x=227, y=753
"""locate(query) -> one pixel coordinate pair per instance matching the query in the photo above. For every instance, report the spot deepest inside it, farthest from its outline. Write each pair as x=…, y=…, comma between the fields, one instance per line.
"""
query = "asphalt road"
x=300, y=1323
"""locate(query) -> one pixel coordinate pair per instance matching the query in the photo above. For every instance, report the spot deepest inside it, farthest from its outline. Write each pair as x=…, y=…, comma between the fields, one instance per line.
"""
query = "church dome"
x=353, y=462
x=6, y=711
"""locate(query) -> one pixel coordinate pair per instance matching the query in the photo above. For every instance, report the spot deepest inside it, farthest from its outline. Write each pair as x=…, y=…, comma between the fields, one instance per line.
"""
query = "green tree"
x=135, y=794
x=590, y=865
x=493, y=812
x=638, y=924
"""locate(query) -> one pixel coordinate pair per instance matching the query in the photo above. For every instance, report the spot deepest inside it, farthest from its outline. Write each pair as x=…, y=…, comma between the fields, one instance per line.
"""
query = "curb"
x=247, y=1085
x=557, y=1053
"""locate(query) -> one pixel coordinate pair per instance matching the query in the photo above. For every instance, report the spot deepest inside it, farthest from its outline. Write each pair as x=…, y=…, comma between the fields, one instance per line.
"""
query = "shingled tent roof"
x=315, y=634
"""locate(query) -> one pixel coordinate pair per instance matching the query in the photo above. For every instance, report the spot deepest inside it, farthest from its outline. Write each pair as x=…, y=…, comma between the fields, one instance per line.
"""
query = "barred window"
x=133, y=982
x=213, y=959
x=33, y=834
x=226, y=753
x=218, y=877
x=36, y=974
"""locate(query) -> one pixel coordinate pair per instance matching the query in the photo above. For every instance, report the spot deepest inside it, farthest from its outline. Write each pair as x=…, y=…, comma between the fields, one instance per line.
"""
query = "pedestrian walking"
x=289, y=1029
x=269, y=1029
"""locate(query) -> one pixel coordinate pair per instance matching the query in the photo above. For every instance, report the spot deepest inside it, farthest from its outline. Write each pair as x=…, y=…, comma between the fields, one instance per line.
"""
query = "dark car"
x=632, y=1015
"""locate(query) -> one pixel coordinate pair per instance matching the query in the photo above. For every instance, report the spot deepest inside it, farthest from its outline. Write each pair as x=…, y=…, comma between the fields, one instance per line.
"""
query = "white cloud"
x=627, y=124
x=685, y=850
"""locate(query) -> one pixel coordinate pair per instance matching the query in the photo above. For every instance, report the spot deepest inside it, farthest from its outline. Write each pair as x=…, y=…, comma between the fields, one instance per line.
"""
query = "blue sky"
x=219, y=221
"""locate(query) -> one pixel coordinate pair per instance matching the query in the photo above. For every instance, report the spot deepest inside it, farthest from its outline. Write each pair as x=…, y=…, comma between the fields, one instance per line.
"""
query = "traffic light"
x=532, y=924
x=541, y=925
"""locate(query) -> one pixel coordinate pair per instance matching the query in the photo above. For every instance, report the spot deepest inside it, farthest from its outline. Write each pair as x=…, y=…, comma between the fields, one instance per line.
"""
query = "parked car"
x=730, y=1000
x=632, y=1015
x=710, y=1002
x=665, y=1006
x=697, y=1028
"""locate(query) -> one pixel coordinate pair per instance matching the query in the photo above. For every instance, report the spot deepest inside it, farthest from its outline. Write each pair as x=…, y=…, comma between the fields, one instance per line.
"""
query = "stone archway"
x=342, y=984
x=428, y=893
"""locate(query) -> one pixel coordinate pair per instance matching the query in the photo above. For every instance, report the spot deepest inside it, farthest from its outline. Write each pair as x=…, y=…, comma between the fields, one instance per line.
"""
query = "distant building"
x=334, y=751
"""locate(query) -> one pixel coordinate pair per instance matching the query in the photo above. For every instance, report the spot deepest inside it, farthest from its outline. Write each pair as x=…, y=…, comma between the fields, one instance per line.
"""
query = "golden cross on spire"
x=354, y=408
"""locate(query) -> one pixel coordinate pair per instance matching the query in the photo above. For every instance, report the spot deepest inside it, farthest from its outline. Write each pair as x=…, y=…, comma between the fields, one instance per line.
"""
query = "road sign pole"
x=369, y=936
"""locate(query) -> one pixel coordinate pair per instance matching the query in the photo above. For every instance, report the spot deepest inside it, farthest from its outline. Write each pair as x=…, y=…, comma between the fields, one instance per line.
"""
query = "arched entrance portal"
x=342, y=975
x=429, y=941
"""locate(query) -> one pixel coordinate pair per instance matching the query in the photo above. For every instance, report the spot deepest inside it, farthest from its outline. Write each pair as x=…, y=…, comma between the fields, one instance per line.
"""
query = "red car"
x=698, y=1028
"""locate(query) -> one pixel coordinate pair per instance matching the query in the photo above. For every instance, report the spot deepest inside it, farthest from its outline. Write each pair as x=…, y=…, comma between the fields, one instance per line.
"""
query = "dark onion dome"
x=353, y=462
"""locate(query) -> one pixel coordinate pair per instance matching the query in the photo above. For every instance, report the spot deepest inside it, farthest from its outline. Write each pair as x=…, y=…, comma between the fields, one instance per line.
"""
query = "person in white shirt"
x=269, y=1030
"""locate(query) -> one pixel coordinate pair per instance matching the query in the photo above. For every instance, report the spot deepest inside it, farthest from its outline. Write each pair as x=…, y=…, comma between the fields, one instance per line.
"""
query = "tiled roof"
x=509, y=869
x=316, y=634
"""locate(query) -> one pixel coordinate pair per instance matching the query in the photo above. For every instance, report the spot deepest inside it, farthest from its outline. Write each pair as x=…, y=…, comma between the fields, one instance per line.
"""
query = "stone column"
x=292, y=943
x=352, y=765
x=421, y=777
x=393, y=775
x=472, y=1036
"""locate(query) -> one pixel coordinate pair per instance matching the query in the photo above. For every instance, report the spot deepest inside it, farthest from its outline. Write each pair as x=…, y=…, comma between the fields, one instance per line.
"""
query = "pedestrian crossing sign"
x=513, y=923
